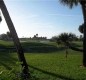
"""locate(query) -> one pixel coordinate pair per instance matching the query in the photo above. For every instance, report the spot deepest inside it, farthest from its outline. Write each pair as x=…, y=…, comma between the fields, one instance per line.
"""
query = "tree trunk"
x=12, y=30
x=83, y=4
x=66, y=52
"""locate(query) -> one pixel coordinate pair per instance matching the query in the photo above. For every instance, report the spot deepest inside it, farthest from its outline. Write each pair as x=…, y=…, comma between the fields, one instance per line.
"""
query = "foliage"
x=6, y=37
x=64, y=38
x=81, y=38
x=70, y=3
x=81, y=28
x=54, y=39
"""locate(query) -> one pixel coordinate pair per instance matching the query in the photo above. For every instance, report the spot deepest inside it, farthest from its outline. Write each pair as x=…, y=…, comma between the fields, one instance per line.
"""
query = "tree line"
x=66, y=37
x=6, y=36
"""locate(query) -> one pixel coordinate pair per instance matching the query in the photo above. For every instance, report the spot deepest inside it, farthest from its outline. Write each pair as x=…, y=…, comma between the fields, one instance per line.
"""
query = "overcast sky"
x=45, y=17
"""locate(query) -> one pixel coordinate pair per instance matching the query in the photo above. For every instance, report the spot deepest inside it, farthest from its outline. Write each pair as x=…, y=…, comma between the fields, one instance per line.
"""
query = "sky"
x=46, y=18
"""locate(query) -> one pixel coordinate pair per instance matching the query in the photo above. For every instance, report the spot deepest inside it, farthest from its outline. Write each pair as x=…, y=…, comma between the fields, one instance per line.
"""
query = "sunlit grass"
x=43, y=66
x=55, y=66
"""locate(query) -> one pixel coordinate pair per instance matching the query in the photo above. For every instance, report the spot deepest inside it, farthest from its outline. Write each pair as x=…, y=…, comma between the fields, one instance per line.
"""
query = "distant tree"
x=65, y=38
x=4, y=37
x=36, y=35
x=54, y=38
x=81, y=38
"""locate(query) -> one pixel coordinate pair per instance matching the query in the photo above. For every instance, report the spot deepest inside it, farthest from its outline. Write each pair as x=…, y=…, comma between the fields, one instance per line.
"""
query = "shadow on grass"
x=43, y=49
x=52, y=74
x=7, y=60
x=35, y=49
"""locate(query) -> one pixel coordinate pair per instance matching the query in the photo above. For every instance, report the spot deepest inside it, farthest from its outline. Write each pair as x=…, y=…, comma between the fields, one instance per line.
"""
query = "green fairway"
x=43, y=65
x=49, y=66
x=55, y=66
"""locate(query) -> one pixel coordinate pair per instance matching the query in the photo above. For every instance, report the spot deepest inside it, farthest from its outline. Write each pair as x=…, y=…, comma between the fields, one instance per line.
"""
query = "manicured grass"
x=43, y=66
x=36, y=47
x=6, y=43
x=55, y=66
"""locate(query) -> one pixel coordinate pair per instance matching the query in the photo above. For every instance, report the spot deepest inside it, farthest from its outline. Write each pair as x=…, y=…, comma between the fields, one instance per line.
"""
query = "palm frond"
x=70, y=3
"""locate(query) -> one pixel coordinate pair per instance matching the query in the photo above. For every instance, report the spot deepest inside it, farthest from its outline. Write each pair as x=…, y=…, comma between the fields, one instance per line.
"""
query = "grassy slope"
x=45, y=66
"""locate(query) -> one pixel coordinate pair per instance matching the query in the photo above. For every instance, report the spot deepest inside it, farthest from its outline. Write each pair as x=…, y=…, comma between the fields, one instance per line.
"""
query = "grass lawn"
x=55, y=66
x=43, y=66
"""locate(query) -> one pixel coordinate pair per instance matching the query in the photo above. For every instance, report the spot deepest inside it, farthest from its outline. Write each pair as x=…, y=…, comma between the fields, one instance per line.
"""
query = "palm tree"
x=71, y=3
x=13, y=33
x=64, y=39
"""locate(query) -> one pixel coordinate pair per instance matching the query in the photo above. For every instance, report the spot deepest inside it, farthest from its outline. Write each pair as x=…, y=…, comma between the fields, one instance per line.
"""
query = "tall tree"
x=71, y=3
x=13, y=33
